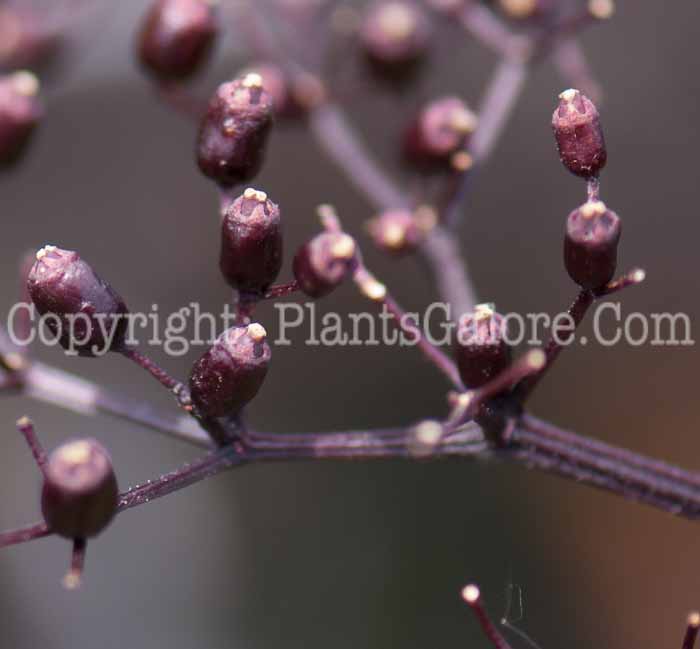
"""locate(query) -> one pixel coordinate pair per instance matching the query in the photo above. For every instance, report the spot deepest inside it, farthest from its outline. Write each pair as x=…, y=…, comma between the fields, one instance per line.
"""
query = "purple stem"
x=433, y=353
x=552, y=349
x=148, y=364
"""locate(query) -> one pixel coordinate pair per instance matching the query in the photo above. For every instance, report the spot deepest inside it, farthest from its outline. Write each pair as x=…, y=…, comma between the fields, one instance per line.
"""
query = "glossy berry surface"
x=578, y=133
x=395, y=35
x=251, y=242
x=80, y=494
x=481, y=349
x=441, y=129
x=230, y=373
x=323, y=263
x=590, y=245
x=20, y=113
x=234, y=131
x=177, y=37
x=88, y=312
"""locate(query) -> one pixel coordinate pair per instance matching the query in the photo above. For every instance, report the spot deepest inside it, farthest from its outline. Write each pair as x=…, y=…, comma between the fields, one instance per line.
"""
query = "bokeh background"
x=364, y=555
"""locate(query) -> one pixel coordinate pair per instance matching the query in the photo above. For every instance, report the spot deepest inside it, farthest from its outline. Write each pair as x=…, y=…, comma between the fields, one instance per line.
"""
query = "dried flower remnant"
x=590, y=244
x=251, y=242
x=578, y=133
x=293, y=95
x=231, y=372
x=234, y=131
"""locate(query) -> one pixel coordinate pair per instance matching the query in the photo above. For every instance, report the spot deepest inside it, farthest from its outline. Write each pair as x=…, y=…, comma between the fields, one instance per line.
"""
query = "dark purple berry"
x=230, y=373
x=86, y=313
x=400, y=231
x=590, y=245
x=251, y=242
x=324, y=262
x=80, y=493
x=578, y=134
x=234, y=131
x=395, y=35
x=481, y=349
x=20, y=112
x=441, y=130
x=177, y=37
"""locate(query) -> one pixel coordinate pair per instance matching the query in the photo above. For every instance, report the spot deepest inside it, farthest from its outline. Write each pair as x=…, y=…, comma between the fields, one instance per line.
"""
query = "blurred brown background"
x=365, y=555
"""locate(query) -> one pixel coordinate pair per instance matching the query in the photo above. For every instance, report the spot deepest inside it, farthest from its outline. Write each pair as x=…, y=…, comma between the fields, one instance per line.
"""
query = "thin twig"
x=65, y=390
x=336, y=136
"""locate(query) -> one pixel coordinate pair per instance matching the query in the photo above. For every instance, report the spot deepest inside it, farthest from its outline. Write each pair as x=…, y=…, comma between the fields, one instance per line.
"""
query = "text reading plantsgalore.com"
x=178, y=331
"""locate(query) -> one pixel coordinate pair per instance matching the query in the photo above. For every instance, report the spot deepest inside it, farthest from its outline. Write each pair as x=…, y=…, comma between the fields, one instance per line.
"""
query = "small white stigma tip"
x=470, y=594
x=694, y=619
x=536, y=359
x=26, y=83
x=593, y=208
x=23, y=421
x=256, y=194
x=639, y=275
x=394, y=235
x=485, y=310
x=375, y=290
x=463, y=121
x=429, y=432
x=465, y=398
x=42, y=252
x=76, y=453
x=569, y=95
x=252, y=80
x=71, y=581
x=601, y=9
x=462, y=161
x=344, y=247
x=257, y=332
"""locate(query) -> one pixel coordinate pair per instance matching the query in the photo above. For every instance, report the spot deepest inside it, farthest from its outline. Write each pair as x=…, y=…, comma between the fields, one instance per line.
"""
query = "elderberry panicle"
x=81, y=309
x=324, y=262
x=578, y=133
x=590, y=244
x=177, y=37
x=395, y=35
x=441, y=129
x=20, y=113
x=234, y=131
x=481, y=348
x=80, y=495
x=230, y=373
x=251, y=242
